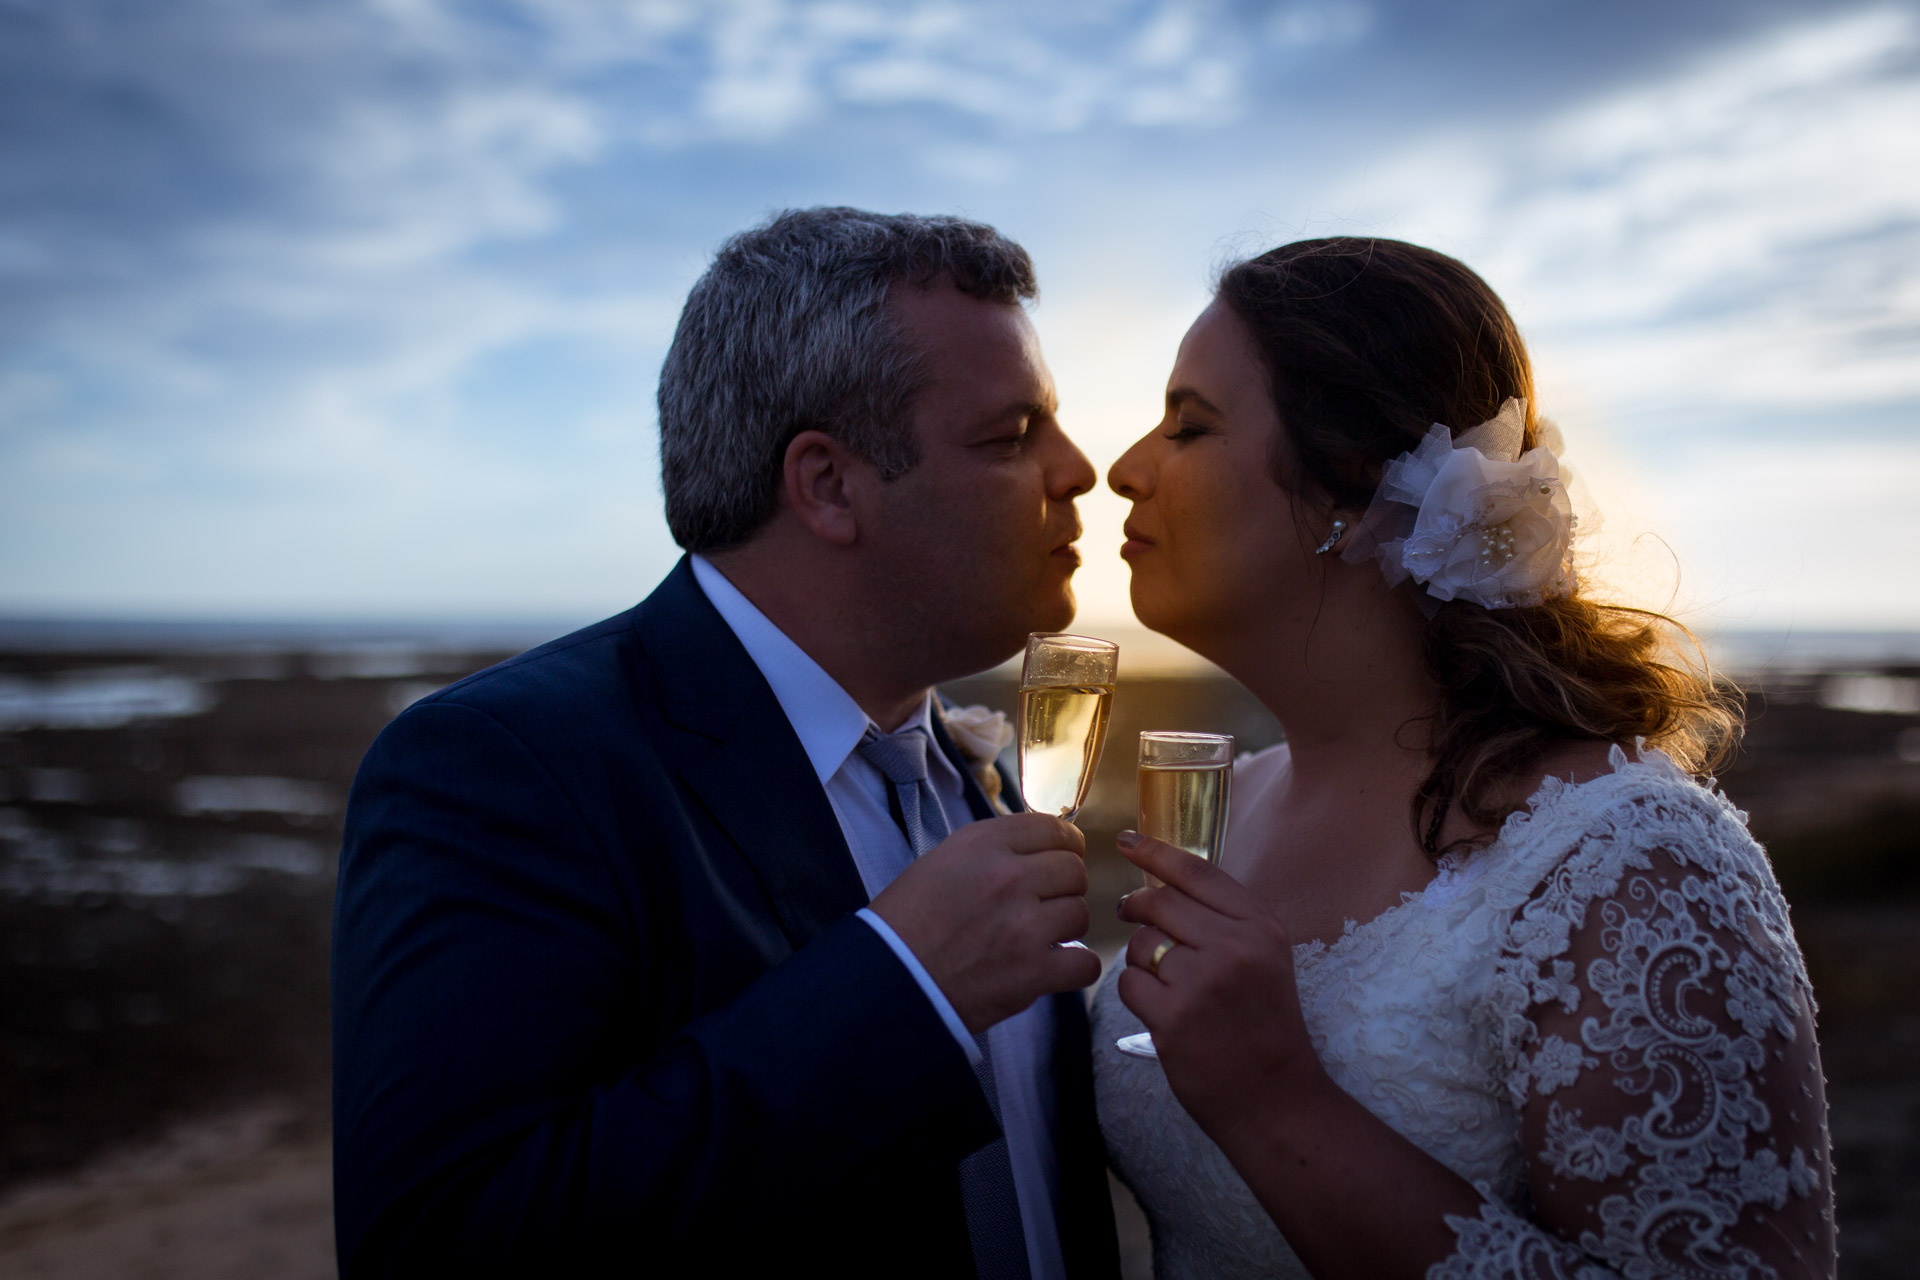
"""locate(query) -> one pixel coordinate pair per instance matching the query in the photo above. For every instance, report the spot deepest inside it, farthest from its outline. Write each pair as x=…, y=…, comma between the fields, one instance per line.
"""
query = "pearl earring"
x=1333, y=538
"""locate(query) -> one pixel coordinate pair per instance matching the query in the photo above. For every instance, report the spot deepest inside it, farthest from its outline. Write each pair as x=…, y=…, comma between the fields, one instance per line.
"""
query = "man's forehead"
x=957, y=329
x=940, y=303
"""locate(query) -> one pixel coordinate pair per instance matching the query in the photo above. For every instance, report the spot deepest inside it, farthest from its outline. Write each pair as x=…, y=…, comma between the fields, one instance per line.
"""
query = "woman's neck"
x=1348, y=683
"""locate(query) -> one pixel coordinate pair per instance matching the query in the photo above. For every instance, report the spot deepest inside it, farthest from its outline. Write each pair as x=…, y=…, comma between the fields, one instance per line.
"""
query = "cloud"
x=1719, y=268
x=777, y=64
x=304, y=306
x=1326, y=22
x=1741, y=234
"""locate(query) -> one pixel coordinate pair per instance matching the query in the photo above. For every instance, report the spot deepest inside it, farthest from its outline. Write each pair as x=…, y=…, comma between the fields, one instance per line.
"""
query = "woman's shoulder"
x=1255, y=775
x=1258, y=770
x=1598, y=787
x=1589, y=827
x=1261, y=763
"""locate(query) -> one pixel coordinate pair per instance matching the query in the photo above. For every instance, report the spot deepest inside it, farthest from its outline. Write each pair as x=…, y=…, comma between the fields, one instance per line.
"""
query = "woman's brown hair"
x=1367, y=343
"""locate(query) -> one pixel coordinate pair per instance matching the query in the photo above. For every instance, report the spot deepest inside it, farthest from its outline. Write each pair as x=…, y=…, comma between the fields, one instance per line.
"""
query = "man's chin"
x=1008, y=638
x=1058, y=615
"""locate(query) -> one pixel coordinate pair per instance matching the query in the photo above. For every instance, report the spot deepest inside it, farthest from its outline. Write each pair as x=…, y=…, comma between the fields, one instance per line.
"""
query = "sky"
x=354, y=309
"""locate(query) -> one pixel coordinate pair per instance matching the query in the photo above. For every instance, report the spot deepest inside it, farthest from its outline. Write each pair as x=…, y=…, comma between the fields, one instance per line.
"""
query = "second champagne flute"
x=1186, y=780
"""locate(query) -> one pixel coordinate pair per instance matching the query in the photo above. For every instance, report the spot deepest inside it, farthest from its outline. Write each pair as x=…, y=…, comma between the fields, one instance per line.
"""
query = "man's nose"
x=1073, y=473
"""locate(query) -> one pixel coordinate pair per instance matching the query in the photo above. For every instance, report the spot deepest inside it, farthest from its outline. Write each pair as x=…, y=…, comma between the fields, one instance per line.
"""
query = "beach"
x=170, y=820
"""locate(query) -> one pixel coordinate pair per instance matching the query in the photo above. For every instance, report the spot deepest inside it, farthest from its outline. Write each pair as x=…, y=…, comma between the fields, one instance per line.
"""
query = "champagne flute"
x=1185, y=782
x=1066, y=694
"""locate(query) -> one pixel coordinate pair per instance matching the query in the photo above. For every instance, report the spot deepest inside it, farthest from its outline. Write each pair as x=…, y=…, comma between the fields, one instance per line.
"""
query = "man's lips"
x=1065, y=550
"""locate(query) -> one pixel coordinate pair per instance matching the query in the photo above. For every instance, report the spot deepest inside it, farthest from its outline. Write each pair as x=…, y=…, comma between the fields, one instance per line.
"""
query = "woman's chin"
x=1185, y=626
x=1151, y=608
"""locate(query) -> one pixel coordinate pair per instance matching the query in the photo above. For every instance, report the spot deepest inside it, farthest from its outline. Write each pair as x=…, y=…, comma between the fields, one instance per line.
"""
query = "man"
x=635, y=965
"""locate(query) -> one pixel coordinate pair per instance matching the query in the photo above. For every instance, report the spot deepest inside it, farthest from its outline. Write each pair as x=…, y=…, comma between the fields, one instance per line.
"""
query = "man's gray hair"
x=788, y=332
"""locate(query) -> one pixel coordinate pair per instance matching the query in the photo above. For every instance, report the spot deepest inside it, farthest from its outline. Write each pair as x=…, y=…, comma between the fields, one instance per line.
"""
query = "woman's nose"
x=1131, y=476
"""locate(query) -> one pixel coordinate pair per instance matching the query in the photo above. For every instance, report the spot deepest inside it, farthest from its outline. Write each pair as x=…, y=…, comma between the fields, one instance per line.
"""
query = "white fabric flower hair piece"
x=1474, y=518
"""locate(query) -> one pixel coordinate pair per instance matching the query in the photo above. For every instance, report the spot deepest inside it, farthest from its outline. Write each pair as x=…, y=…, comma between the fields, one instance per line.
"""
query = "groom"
x=691, y=941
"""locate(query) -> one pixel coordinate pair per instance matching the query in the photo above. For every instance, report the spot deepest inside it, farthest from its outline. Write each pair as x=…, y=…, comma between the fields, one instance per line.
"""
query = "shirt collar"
x=828, y=721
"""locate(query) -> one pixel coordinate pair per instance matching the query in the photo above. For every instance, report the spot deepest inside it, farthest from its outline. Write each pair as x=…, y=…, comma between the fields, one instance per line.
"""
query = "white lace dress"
x=1600, y=1020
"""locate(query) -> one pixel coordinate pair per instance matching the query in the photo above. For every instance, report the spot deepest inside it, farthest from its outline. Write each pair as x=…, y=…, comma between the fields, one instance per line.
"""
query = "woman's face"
x=1212, y=539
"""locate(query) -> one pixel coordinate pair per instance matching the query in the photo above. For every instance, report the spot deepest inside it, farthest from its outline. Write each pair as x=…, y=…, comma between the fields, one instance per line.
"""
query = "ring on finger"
x=1159, y=953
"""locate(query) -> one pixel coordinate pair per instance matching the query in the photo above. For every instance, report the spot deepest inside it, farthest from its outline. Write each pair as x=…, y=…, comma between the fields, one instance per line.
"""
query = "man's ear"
x=821, y=478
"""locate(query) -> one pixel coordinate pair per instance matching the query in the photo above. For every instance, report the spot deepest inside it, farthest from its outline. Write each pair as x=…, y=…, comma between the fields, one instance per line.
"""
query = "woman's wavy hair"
x=1366, y=344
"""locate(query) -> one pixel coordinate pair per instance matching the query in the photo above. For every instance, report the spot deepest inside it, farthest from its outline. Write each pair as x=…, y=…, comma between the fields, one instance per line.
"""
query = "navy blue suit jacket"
x=600, y=999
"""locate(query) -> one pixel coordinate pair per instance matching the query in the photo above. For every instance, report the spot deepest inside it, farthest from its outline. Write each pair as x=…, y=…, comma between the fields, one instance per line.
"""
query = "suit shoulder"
x=576, y=710
x=582, y=695
x=573, y=675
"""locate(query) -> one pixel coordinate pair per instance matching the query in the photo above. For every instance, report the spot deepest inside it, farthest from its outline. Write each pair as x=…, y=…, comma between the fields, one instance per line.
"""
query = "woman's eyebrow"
x=1177, y=396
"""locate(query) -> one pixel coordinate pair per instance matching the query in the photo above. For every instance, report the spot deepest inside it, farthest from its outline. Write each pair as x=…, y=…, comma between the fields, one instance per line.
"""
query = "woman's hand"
x=1222, y=1006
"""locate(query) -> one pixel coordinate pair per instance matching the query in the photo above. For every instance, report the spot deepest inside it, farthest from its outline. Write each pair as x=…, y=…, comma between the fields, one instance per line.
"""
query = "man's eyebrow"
x=1022, y=409
x=1178, y=396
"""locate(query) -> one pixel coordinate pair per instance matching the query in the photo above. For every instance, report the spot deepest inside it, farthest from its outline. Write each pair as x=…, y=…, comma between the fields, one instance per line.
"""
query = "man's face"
x=974, y=544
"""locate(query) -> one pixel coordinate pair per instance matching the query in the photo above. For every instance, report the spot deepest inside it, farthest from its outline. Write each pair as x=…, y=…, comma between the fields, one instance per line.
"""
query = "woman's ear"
x=819, y=477
x=1318, y=517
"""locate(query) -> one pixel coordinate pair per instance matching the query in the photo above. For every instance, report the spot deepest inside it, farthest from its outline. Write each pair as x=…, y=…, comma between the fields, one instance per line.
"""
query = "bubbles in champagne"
x=1186, y=806
x=1062, y=728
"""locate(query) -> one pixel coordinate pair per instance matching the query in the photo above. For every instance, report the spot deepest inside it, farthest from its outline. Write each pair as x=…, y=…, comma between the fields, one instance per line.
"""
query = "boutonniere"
x=981, y=736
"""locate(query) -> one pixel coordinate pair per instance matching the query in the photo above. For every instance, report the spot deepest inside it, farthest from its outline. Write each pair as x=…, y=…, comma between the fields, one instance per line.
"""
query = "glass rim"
x=1174, y=748
x=1068, y=640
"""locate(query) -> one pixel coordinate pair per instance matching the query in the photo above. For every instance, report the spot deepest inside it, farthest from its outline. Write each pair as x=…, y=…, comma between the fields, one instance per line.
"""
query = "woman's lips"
x=1134, y=545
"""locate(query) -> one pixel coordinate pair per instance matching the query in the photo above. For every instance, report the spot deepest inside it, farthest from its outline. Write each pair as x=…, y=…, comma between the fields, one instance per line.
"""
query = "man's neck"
x=831, y=626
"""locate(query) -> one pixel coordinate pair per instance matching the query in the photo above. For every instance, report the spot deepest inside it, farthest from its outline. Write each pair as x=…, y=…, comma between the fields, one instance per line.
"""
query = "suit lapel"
x=742, y=758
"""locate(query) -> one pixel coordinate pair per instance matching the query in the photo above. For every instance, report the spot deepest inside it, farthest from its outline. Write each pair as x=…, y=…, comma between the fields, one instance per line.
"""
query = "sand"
x=245, y=1194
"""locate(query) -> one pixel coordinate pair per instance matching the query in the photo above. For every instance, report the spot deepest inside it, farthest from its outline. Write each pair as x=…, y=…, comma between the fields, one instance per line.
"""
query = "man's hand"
x=983, y=908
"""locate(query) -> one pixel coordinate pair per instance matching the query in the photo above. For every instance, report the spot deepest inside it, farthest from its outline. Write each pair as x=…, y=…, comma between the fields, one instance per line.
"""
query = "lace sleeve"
x=1663, y=1063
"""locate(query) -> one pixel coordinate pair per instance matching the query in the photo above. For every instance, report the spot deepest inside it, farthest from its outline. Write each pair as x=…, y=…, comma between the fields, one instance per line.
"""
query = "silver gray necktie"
x=986, y=1176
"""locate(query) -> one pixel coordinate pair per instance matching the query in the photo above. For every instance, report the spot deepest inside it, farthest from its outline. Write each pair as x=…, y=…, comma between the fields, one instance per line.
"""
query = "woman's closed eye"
x=1185, y=429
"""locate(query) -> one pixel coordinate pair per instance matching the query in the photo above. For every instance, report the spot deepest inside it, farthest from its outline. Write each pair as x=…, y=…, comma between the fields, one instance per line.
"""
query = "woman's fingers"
x=1192, y=875
x=1142, y=949
x=1173, y=912
x=1146, y=996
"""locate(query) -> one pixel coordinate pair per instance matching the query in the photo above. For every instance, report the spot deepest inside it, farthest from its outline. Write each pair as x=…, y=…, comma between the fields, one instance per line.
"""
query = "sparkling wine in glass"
x=1066, y=694
x=1185, y=782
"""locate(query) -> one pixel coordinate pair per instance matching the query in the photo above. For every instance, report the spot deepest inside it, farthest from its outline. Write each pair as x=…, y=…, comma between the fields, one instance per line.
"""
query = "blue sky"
x=354, y=309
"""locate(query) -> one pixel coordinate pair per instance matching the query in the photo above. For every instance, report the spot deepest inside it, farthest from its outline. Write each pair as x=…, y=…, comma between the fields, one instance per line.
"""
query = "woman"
x=1487, y=985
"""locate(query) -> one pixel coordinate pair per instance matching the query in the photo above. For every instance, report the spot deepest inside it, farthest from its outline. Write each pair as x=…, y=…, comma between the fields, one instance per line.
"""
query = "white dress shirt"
x=830, y=725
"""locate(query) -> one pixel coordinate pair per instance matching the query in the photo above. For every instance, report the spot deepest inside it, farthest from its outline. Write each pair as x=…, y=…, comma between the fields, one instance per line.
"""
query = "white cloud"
x=243, y=327
x=773, y=65
x=1722, y=268
x=1320, y=22
x=1743, y=232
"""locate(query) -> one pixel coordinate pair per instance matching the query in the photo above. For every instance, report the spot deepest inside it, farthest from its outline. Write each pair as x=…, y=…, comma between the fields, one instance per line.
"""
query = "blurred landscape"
x=170, y=814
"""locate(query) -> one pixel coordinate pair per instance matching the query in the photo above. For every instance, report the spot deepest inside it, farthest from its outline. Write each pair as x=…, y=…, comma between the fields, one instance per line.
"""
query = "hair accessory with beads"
x=1473, y=518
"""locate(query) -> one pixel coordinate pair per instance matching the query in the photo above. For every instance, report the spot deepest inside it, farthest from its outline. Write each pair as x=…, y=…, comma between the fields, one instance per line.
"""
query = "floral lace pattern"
x=1601, y=1021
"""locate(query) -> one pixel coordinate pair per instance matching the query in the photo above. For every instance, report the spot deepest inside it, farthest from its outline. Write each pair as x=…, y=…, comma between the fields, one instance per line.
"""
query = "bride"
x=1488, y=985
